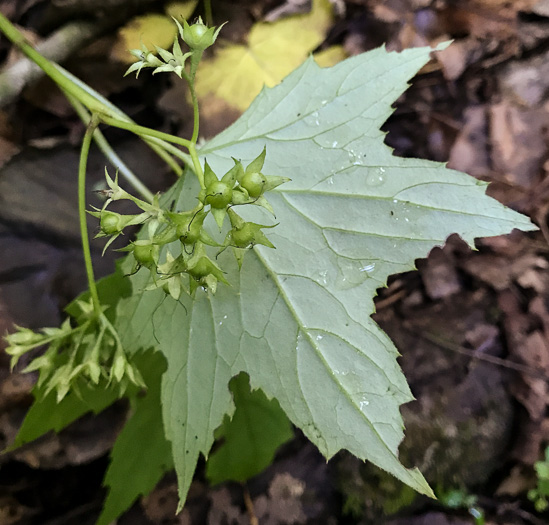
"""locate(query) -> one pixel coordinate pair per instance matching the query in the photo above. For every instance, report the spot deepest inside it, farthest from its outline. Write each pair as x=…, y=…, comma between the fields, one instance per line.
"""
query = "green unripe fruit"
x=254, y=183
x=242, y=237
x=110, y=223
x=218, y=194
x=189, y=234
x=202, y=268
x=145, y=254
x=195, y=33
x=199, y=36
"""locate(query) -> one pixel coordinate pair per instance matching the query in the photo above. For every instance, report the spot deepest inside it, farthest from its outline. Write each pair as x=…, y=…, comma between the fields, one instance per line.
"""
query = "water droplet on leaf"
x=375, y=177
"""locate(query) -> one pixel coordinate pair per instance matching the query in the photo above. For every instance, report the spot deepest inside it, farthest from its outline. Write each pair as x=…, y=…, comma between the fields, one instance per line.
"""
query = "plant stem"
x=142, y=130
x=196, y=115
x=84, y=152
x=161, y=148
x=170, y=148
x=105, y=147
x=78, y=89
x=208, y=12
x=197, y=166
x=195, y=60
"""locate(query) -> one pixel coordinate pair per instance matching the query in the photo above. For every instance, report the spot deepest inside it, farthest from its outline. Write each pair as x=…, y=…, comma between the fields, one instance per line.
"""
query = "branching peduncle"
x=84, y=152
x=88, y=97
x=52, y=70
x=148, y=132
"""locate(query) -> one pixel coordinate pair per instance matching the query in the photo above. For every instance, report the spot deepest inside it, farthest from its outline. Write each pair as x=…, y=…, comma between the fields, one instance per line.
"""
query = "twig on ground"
x=474, y=354
x=249, y=505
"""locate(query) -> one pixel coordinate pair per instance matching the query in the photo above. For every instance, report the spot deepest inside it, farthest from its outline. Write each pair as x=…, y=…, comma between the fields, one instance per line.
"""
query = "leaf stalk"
x=84, y=153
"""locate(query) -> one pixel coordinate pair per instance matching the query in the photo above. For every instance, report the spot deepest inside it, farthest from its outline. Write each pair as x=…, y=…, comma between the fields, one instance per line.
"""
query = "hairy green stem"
x=84, y=152
x=176, y=152
x=161, y=148
x=195, y=60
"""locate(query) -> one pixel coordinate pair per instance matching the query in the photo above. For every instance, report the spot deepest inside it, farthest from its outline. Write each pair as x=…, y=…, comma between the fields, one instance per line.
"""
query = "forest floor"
x=472, y=326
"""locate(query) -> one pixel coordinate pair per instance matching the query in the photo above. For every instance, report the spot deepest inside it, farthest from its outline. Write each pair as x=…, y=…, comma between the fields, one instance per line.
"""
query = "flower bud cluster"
x=175, y=251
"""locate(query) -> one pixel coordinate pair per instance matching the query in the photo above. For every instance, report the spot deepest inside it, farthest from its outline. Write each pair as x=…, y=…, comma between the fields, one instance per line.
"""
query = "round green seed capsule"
x=242, y=237
x=202, y=268
x=254, y=183
x=195, y=33
x=110, y=223
x=145, y=254
x=218, y=194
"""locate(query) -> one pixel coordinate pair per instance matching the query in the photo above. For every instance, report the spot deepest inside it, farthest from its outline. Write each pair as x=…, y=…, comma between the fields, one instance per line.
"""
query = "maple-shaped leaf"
x=296, y=318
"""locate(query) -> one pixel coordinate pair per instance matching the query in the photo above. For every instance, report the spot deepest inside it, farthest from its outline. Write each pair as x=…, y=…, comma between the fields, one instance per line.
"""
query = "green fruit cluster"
x=197, y=36
x=175, y=251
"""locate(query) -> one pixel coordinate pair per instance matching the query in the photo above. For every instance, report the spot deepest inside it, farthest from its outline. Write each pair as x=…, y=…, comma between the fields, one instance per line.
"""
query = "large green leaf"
x=297, y=319
x=251, y=438
x=46, y=414
x=141, y=454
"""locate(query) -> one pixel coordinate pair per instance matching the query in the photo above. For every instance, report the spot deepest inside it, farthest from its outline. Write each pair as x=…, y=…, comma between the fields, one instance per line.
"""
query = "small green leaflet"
x=297, y=319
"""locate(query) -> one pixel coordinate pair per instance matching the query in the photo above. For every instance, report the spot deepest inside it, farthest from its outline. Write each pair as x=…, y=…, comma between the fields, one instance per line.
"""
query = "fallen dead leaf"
x=283, y=505
x=517, y=482
x=532, y=392
x=455, y=58
x=223, y=510
x=470, y=150
x=237, y=73
x=439, y=275
x=518, y=142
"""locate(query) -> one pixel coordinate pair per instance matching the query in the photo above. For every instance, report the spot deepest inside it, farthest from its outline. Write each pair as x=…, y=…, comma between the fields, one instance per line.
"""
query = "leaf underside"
x=297, y=319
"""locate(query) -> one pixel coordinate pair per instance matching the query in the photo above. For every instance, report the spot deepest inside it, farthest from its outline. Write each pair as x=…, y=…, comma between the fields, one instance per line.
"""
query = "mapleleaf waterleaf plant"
x=305, y=170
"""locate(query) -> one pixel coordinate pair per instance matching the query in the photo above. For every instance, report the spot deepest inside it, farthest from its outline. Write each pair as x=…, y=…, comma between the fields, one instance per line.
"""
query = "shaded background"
x=473, y=327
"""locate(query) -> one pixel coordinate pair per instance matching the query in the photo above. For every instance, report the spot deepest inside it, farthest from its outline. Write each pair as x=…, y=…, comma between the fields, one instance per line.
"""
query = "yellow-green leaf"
x=151, y=30
x=238, y=72
x=181, y=10
x=330, y=56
